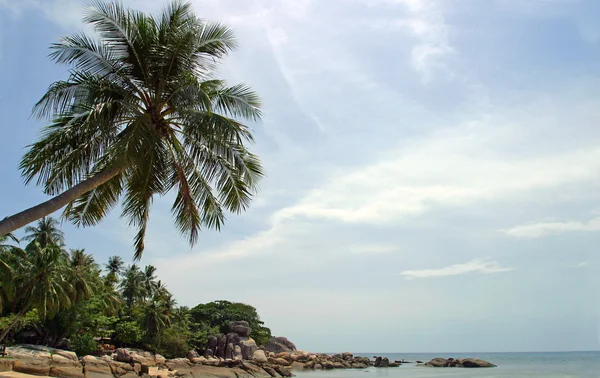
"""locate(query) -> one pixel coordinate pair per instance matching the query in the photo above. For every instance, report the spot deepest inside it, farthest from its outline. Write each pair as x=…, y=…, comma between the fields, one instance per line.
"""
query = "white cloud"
x=579, y=265
x=473, y=266
x=541, y=229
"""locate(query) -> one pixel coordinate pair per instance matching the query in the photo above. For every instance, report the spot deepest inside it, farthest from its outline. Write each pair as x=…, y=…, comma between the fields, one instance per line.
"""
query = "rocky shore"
x=232, y=355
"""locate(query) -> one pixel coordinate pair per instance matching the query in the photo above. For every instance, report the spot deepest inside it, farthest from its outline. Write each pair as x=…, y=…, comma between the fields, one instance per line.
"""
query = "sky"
x=433, y=170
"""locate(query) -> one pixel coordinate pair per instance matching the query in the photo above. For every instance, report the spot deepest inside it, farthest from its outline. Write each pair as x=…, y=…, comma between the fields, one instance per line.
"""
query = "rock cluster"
x=457, y=362
x=236, y=345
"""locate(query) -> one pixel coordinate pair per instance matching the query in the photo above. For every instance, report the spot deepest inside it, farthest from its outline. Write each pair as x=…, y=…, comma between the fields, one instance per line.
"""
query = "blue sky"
x=433, y=170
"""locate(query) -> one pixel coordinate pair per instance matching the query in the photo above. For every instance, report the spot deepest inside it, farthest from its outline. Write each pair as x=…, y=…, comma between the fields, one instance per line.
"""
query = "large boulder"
x=241, y=328
x=259, y=357
x=279, y=344
x=131, y=355
x=248, y=348
x=95, y=368
x=451, y=362
x=475, y=363
x=30, y=361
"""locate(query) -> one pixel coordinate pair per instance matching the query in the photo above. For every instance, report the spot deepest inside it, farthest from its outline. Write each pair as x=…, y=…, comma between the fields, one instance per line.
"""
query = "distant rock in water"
x=279, y=344
x=464, y=362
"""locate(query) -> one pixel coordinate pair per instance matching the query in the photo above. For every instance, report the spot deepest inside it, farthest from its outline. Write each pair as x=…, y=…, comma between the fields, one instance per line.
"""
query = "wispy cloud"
x=473, y=266
x=541, y=229
x=579, y=265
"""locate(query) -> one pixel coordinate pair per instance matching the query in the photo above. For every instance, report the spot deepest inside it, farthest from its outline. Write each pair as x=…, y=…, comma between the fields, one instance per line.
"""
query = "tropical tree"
x=141, y=114
x=8, y=252
x=132, y=285
x=150, y=284
x=82, y=273
x=42, y=281
x=45, y=232
x=114, y=267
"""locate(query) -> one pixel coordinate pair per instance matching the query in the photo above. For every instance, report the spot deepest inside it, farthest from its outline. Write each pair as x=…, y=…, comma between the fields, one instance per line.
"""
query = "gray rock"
x=259, y=357
x=475, y=363
x=241, y=328
x=279, y=344
x=248, y=348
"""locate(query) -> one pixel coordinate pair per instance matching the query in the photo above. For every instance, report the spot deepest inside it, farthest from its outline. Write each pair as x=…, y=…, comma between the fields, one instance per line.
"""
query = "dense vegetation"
x=58, y=297
x=142, y=114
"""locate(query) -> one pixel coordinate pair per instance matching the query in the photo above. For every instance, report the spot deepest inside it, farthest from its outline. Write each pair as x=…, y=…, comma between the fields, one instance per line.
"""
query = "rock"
x=279, y=344
x=198, y=360
x=377, y=362
x=475, y=363
x=451, y=362
x=30, y=361
x=299, y=356
x=192, y=354
x=208, y=353
x=64, y=366
x=437, y=362
x=211, y=342
x=359, y=365
x=318, y=367
x=95, y=368
x=270, y=371
x=237, y=353
x=278, y=361
x=362, y=360
x=241, y=328
x=221, y=345
x=338, y=365
x=419, y=362
x=259, y=356
x=6, y=364
x=178, y=363
x=394, y=364
x=284, y=372
x=122, y=355
x=347, y=356
x=248, y=348
x=298, y=366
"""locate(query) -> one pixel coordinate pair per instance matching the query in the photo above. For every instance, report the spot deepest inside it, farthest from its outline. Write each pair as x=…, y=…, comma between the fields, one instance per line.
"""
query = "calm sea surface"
x=555, y=364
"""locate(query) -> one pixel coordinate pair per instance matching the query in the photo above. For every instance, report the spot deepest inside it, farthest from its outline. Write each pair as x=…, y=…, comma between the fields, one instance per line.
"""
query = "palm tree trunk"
x=12, y=324
x=25, y=217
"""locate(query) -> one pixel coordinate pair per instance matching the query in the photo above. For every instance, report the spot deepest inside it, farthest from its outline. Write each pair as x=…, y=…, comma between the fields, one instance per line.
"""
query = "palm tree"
x=8, y=253
x=42, y=283
x=132, y=285
x=156, y=318
x=150, y=284
x=46, y=232
x=114, y=265
x=141, y=114
x=82, y=273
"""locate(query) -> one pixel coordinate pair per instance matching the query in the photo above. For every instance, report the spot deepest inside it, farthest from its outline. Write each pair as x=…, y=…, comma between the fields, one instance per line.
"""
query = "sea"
x=540, y=364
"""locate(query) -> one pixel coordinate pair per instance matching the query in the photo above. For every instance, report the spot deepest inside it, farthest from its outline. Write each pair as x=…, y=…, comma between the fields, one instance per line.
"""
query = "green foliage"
x=218, y=314
x=83, y=344
x=174, y=342
x=63, y=295
x=129, y=332
x=142, y=108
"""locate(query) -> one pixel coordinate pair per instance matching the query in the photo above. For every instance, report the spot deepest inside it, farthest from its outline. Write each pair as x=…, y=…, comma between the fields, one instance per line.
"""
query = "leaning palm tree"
x=45, y=232
x=142, y=114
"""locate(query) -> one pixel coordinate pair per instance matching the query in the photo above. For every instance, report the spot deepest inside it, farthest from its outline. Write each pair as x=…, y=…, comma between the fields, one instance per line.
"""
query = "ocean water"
x=543, y=364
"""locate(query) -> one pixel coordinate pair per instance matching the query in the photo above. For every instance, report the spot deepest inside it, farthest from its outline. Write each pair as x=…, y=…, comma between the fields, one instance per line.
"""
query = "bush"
x=83, y=344
x=173, y=343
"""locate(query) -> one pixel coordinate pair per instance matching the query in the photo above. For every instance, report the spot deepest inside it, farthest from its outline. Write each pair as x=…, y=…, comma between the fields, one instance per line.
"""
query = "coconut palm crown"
x=140, y=115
